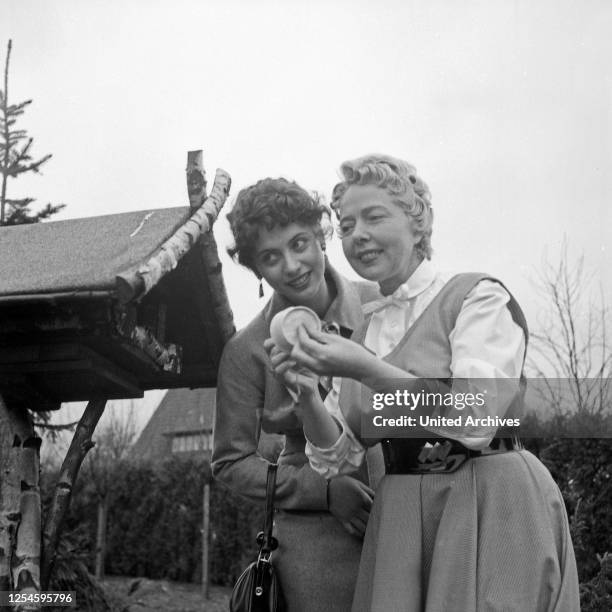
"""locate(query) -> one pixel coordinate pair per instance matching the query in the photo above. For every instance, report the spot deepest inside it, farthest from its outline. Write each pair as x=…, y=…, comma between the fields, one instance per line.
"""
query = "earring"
x=261, y=293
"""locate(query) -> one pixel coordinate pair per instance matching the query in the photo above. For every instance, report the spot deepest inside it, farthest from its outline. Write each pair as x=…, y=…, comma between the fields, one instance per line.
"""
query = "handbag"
x=258, y=588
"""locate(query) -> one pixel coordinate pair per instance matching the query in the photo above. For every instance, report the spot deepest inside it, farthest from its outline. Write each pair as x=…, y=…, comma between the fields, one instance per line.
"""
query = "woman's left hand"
x=289, y=372
x=331, y=355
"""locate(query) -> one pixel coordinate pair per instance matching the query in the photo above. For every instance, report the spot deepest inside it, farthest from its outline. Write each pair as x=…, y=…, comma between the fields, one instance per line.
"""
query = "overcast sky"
x=505, y=108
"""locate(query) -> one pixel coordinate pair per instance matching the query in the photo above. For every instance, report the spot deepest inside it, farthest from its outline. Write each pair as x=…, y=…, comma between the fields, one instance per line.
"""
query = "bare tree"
x=570, y=351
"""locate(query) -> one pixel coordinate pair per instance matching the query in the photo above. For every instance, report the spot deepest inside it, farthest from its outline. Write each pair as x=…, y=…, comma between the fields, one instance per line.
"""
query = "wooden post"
x=80, y=445
x=196, y=178
x=206, y=539
x=101, y=536
x=196, y=189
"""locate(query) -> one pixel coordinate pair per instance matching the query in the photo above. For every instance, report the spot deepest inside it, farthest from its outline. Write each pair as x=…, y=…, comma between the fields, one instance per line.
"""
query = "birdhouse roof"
x=110, y=306
x=79, y=255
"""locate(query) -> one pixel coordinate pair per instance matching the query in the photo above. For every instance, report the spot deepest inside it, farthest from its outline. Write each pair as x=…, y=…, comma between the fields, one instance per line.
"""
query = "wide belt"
x=436, y=455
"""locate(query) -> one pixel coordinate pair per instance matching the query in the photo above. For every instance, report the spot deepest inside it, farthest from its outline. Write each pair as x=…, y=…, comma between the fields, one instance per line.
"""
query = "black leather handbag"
x=258, y=588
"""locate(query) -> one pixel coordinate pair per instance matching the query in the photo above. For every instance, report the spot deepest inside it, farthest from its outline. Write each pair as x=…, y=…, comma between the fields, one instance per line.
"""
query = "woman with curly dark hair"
x=277, y=227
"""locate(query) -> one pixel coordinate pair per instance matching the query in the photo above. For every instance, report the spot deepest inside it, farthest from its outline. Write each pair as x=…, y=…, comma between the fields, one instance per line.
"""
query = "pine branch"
x=20, y=203
x=18, y=212
x=18, y=109
x=17, y=167
x=16, y=135
x=16, y=159
x=48, y=211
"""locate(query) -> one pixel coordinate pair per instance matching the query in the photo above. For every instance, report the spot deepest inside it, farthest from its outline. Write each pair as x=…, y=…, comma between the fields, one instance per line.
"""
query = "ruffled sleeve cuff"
x=344, y=457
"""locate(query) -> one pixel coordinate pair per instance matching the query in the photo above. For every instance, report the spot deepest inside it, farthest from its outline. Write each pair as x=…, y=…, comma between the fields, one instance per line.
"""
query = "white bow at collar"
x=398, y=298
x=421, y=279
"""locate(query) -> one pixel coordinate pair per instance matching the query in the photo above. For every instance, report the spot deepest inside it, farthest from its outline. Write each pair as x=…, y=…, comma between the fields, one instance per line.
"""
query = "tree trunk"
x=80, y=445
x=101, y=537
x=10, y=493
x=20, y=511
x=6, y=136
x=133, y=285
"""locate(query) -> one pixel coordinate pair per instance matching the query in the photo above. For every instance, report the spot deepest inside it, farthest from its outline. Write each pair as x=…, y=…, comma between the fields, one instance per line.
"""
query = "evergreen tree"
x=15, y=159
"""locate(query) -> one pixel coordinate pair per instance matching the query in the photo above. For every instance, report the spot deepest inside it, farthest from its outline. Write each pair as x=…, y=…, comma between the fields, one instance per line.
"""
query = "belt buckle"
x=436, y=458
x=432, y=453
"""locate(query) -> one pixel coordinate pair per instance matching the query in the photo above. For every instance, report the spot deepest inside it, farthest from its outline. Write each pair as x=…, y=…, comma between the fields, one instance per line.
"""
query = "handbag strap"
x=269, y=542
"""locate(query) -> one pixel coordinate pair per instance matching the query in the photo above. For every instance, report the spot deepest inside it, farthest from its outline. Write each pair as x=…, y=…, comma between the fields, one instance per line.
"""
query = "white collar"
x=421, y=279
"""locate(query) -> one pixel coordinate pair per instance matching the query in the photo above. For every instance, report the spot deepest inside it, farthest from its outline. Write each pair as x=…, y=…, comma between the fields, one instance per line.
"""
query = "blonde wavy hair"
x=401, y=181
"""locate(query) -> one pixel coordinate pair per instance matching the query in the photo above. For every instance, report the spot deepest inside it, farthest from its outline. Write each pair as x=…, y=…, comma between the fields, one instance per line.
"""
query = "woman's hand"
x=331, y=355
x=350, y=501
x=319, y=426
x=298, y=379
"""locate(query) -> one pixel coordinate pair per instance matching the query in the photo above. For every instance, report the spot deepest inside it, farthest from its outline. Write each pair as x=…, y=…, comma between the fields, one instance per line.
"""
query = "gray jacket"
x=250, y=399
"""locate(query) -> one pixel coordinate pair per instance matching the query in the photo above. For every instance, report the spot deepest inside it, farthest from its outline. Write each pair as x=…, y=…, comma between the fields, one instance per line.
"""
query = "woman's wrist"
x=376, y=373
x=320, y=428
x=366, y=365
x=311, y=400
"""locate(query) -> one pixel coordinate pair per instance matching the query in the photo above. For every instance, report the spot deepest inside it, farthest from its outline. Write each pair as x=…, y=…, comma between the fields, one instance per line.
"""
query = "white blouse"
x=486, y=343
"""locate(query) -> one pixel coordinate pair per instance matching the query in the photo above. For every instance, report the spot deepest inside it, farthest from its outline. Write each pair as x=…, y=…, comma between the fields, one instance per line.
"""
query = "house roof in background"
x=197, y=410
x=181, y=411
x=188, y=411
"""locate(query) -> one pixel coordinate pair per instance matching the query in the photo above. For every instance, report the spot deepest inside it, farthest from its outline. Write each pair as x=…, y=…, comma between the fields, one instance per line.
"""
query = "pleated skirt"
x=317, y=561
x=492, y=536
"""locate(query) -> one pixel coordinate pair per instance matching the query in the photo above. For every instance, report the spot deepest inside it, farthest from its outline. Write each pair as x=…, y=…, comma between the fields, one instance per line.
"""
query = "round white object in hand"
x=285, y=324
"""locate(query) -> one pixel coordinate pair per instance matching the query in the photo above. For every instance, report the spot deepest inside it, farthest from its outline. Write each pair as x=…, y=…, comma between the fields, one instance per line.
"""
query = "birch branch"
x=196, y=189
x=9, y=496
x=80, y=445
x=134, y=285
x=219, y=300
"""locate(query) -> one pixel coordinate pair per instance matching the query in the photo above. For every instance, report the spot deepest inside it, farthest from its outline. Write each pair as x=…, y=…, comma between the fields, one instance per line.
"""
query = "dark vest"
x=425, y=350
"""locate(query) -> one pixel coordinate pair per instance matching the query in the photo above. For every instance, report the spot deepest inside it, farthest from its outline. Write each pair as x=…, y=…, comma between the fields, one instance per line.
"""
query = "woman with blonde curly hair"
x=464, y=519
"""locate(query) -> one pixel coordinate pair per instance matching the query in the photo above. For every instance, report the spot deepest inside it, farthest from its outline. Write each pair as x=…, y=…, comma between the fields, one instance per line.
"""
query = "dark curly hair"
x=267, y=204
